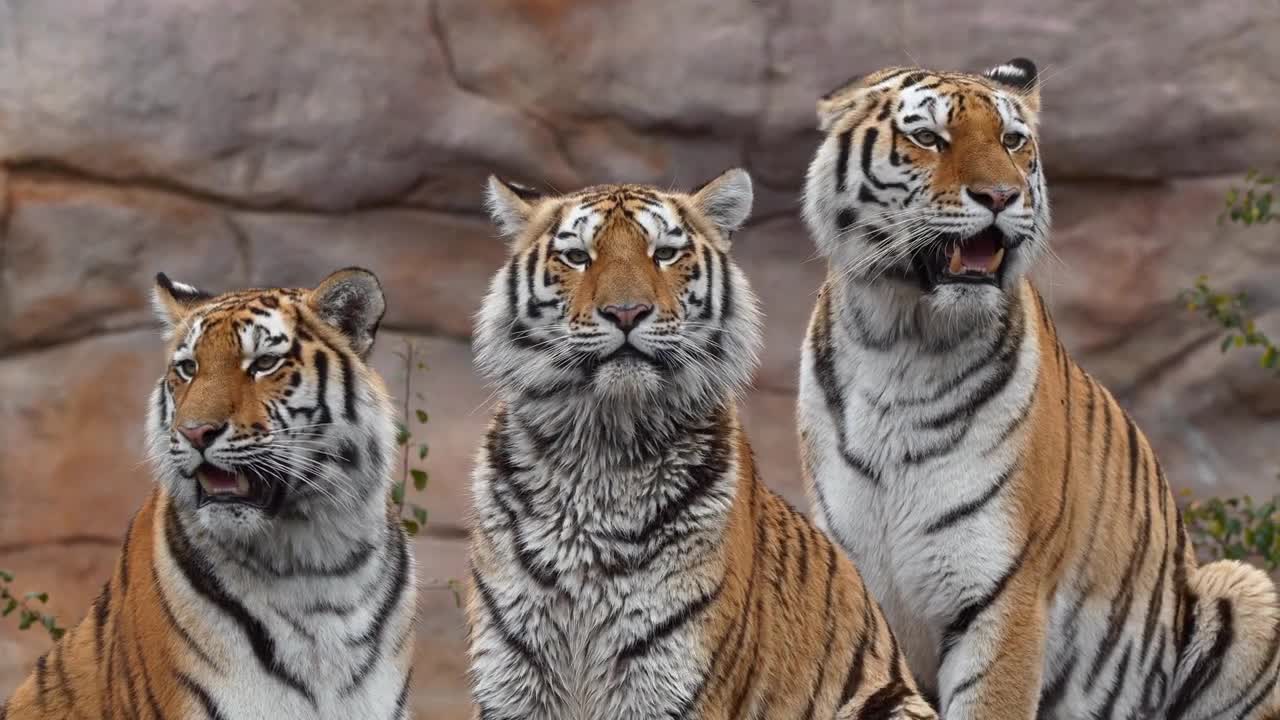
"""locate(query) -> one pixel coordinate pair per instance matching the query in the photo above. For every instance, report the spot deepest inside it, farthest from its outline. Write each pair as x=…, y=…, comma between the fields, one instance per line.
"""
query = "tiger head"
x=267, y=413
x=930, y=184
x=624, y=293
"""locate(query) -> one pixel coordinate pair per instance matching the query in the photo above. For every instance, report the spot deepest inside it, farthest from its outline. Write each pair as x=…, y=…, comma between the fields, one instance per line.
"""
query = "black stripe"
x=402, y=700
x=201, y=695
x=870, y=625
x=844, y=140
x=1123, y=603
x=1109, y=704
x=101, y=612
x=726, y=289
x=526, y=652
x=821, y=345
x=42, y=679
x=1053, y=693
x=868, y=145
x=177, y=626
x=348, y=388
x=202, y=579
x=829, y=621
x=884, y=703
x=152, y=703
x=1208, y=665
x=373, y=636
x=711, y=281
x=959, y=625
x=964, y=510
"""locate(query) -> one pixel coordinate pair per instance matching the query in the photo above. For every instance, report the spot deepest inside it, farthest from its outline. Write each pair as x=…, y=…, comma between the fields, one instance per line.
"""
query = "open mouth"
x=627, y=352
x=978, y=259
x=239, y=486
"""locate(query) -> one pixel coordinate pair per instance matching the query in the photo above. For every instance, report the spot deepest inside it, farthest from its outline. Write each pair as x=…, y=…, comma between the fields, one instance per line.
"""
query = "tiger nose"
x=993, y=197
x=626, y=316
x=202, y=435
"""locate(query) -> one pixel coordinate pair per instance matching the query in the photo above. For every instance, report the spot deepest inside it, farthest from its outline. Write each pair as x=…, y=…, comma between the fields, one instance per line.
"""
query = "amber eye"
x=1013, y=140
x=576, y=257
x=265, y=363
x=186, y=369
x=665, y=254
x=926, y=138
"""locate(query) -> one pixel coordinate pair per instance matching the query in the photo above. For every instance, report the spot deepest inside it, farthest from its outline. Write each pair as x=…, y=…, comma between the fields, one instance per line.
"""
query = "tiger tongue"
x=980, y=253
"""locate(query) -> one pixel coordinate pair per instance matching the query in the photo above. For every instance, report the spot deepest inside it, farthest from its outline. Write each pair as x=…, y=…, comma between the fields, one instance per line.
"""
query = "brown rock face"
x=233, y=144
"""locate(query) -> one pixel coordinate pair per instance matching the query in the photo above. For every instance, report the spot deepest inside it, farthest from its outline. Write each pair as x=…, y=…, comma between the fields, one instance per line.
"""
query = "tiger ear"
x=351, y=300
x=838, y=101
x=510, y=205
x=1019, y=74
x=173, y=301
x=726, y=200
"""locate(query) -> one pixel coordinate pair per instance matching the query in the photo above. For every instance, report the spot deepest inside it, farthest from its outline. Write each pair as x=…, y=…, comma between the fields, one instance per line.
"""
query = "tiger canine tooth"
x=995, y=260
x=955, y=259
x=242, y=484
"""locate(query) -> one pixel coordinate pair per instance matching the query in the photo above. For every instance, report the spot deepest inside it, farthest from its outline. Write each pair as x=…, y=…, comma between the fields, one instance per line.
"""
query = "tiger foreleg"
x=1230, y=665
x=992, y=657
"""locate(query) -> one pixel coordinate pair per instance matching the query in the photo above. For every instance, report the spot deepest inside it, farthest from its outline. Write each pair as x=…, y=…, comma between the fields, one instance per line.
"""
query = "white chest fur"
x=903, y=445
x=585, y=603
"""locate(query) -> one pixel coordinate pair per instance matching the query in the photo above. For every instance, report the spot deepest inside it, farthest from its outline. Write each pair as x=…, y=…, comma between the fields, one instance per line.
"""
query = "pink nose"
x=201, y=436
x=993, y=197
x=626, y=316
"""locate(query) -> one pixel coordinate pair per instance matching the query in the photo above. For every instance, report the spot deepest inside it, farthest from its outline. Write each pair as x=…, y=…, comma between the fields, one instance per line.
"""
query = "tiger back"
x=627, y=562
x=264, y=575
x=1009, y=515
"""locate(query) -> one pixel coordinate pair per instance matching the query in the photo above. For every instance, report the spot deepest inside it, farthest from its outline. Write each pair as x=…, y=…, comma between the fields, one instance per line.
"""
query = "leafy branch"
x=411, y=355
x=1236, y=529
x=1252, y=205
x=25, y=605
x=1230, y=311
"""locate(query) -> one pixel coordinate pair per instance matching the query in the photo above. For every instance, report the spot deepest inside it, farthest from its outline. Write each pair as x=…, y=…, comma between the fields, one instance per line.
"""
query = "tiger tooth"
x=955, y=259
x=995, y=260
x=242, y=484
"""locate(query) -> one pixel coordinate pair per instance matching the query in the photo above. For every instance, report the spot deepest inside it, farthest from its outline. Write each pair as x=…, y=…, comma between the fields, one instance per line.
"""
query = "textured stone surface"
x=333, y=105
x=269, y=143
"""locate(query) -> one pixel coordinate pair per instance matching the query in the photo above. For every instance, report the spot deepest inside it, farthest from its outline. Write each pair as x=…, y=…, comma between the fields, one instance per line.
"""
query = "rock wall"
x=266, y=143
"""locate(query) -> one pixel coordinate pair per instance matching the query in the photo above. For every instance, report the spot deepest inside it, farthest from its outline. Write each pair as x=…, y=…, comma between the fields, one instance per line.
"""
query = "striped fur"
x=300, y=609
x=627, y=561
x=1007, y=513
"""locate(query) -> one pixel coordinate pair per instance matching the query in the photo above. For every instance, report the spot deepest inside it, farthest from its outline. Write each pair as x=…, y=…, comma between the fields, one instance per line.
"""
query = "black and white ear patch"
x=1018, y=73
x=181, y=292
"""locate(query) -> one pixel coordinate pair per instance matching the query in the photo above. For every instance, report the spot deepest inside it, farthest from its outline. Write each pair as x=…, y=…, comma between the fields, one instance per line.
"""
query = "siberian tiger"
x=263, y=576
x=1009, y=516
x=627, y=562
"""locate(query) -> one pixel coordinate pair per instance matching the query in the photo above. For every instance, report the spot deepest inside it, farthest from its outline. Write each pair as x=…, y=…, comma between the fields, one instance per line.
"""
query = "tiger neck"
x=311, y=543
x=578, y=430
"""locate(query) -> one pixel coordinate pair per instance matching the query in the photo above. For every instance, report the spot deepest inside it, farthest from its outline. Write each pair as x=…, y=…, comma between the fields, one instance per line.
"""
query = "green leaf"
x=1268, y=359
x=422, y=452
x=420, y=514
x=397, y=493
x=25, y=620
x=402, y=433
x=36, y=595
x=1226, y=343
x=419, y=479
x=5, y=576
x=410, y=526
x=9, y=608
x=422, y=416
x=57, y=633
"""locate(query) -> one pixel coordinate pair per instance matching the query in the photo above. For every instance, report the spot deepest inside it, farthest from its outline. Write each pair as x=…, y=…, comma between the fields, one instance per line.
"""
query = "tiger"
x=1008, y=514
x=626, y=560
x=266, y=574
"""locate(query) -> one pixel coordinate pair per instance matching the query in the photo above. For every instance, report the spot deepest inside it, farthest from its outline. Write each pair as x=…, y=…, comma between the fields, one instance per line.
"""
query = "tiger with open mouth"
x=265, y=575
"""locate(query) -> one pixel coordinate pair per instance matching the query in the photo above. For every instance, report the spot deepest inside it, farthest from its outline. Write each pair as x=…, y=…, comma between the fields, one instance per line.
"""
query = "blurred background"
x=240, y=143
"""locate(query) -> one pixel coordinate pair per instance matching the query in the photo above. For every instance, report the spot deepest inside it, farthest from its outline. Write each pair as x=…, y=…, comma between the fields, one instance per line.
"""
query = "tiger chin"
x=627, y=561
x=264, y=575
x=1010, y=517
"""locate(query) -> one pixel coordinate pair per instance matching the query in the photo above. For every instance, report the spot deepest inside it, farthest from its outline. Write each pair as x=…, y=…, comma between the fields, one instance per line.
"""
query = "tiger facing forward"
x=627, y=562
x=1009, y=516
x=263, y=576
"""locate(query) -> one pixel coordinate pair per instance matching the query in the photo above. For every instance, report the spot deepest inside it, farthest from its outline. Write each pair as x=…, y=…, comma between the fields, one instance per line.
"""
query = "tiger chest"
x=906, y=488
